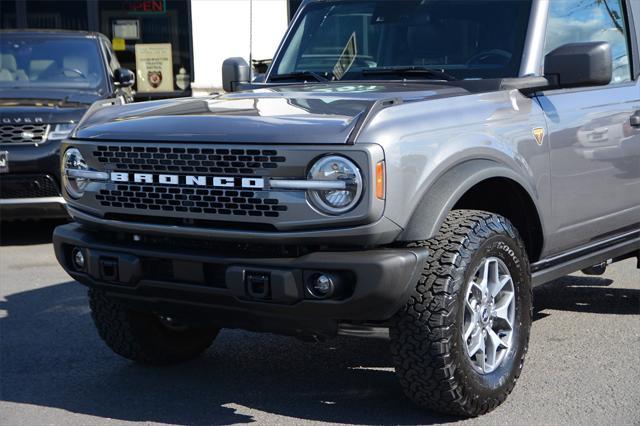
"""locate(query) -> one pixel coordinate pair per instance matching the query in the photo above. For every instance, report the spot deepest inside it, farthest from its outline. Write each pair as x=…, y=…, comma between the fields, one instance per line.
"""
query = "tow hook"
x=258, y=284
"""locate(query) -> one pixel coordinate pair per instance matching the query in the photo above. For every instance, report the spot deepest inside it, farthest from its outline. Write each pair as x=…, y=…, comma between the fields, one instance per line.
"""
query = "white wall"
x=221, y=30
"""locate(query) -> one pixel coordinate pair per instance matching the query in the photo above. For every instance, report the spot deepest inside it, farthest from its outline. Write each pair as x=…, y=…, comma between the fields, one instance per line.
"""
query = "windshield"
x=457, y=39
x=57, y=63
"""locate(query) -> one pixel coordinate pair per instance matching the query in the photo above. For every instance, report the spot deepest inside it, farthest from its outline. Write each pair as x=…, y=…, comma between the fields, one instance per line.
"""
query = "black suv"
x=48, y=80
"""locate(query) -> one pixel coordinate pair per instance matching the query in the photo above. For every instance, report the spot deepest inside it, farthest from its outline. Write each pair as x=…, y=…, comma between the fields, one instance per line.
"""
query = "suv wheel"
x=460, y=341
x=144, y=337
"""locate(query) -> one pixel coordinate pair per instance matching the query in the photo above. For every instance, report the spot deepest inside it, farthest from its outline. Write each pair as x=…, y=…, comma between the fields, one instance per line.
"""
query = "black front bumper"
x=31, y=188
x=30, y=196
x=203, y=285
x=33, y=208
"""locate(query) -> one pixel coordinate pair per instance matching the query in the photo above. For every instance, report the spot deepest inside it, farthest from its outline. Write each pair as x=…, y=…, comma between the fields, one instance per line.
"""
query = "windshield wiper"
x=300, y=75
x=412, y=70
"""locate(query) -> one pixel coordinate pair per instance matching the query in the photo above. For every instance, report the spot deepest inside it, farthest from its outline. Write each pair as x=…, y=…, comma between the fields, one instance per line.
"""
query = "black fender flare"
x=436, y=203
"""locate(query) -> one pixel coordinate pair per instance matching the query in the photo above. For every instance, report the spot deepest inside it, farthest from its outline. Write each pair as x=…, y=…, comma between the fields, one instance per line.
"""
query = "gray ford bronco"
x=408, y=169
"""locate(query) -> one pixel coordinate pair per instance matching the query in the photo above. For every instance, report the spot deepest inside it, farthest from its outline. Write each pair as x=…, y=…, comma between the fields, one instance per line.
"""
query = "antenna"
x=251, y=39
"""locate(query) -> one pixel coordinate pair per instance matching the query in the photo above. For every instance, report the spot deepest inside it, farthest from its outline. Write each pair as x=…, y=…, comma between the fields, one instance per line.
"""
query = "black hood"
x=45, y=105
x=302, y=114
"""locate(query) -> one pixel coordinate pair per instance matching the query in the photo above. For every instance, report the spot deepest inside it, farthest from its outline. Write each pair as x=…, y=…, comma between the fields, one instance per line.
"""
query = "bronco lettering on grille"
x=212, y=181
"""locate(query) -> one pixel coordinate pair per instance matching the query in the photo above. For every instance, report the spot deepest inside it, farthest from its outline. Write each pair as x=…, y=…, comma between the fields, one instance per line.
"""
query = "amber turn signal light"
x=380, y=176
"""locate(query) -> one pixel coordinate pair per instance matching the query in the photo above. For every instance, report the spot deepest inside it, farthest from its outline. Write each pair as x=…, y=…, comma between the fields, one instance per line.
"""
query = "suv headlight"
x=339, y=169
x=74, y=183
x=61, y=131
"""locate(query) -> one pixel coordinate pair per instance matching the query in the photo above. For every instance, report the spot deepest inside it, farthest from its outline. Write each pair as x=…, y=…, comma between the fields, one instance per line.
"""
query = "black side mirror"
x=123, y=77
x=235, y=71
x=579, y=65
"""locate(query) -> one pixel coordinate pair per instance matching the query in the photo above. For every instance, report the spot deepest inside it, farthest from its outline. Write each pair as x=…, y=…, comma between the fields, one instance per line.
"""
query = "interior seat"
x=9, y=68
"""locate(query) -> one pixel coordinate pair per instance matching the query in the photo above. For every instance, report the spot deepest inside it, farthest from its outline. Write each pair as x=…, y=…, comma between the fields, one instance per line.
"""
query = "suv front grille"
x=23, y=133
x=187, y=160
x=205, y=185
x=161, y=199
x=192, y=200
x=27, y=186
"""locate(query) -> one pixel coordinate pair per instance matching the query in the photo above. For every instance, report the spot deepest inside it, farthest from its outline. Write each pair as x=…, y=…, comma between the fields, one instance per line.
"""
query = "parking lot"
x=583, y=363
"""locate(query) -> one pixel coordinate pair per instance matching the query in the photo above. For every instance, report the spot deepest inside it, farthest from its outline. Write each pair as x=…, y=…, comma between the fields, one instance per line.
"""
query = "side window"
x=112, y=61
x=573, y=21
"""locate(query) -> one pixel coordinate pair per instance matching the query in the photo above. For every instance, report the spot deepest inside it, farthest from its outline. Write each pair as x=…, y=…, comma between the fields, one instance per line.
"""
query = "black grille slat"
x=182, y=160
x=27, y=186
x=23, y=133
x=180, y=199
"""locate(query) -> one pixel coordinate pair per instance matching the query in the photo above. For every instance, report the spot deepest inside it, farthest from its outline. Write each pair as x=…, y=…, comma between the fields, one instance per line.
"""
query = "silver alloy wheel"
x=489, y=315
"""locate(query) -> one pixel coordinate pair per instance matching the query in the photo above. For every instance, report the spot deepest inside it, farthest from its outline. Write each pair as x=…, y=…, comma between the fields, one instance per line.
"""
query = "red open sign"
x=145, y=6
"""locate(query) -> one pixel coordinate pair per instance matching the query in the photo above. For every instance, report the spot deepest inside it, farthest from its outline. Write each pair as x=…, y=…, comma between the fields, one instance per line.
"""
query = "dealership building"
x=189, y=38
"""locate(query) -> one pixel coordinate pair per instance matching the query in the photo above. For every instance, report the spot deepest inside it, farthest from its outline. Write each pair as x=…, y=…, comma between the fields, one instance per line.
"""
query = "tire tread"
x=424, y=331
x=124, y=332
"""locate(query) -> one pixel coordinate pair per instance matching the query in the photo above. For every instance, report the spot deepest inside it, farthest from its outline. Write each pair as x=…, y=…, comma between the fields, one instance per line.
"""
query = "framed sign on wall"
x=154, y=67
x=126, y=29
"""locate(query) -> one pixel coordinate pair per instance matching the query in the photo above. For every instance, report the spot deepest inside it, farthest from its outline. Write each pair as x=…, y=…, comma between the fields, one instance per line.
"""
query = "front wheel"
x=460, y=341
x=146, y=338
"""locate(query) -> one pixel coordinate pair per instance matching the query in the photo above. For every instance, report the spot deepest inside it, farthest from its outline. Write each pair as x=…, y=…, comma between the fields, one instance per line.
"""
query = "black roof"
x=53, y=33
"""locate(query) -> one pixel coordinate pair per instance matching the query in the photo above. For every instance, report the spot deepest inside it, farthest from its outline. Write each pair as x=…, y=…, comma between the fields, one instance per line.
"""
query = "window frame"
x=103, y=43
x=631, y=13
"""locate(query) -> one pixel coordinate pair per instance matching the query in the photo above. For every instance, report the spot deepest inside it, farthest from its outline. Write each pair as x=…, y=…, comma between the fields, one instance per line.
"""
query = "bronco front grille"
x=187, y=160
x=207, y=185
x=192, y=200
x=23, y=133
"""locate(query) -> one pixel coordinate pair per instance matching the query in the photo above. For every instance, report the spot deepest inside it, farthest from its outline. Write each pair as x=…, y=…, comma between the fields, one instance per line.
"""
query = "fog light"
x=77, y=257
x=322, y=286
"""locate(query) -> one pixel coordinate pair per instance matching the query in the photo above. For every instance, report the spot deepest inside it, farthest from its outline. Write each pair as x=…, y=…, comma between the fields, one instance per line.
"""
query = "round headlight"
x=73, y=160
x=335, y=169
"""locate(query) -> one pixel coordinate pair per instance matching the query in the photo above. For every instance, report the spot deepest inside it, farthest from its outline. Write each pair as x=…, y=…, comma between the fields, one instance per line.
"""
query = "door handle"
x=635, y=119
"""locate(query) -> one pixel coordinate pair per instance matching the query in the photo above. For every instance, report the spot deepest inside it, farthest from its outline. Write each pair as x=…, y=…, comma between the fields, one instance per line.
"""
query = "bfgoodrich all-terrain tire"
x=460, y=341
x=143, y=337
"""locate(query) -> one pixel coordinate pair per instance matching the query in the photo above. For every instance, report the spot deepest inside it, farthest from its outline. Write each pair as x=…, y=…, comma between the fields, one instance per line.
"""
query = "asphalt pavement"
x=583, y=365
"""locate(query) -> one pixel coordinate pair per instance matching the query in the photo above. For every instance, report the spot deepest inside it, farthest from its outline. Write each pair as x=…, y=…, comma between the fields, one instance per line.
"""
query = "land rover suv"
x=48, y=80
